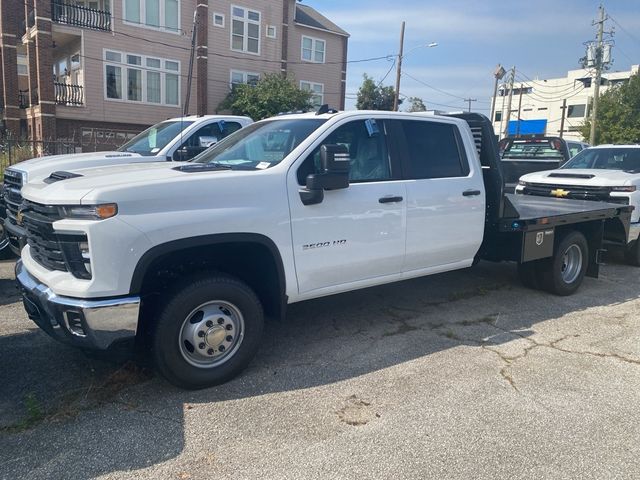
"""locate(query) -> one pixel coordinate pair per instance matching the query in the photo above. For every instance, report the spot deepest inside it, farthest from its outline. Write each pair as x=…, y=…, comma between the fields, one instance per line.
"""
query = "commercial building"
x=540, y=104
x=99, y=71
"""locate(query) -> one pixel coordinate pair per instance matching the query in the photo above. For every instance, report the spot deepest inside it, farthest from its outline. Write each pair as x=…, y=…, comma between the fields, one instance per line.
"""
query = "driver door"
x=356, y=236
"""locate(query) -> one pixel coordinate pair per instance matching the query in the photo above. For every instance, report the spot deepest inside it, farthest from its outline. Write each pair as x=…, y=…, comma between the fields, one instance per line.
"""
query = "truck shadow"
x=142, y=421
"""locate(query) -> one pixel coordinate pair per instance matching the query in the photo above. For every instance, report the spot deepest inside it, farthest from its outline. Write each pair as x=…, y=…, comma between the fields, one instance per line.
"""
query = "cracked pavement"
x=460, y=375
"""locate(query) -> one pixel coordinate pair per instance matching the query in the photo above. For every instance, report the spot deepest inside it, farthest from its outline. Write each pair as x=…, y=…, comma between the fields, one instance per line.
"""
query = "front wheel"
x=207, y=332
x=563, y=273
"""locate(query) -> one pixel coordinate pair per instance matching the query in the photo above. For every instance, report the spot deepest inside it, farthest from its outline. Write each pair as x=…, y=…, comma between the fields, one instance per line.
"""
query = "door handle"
x=390, y=199
x=471, y=193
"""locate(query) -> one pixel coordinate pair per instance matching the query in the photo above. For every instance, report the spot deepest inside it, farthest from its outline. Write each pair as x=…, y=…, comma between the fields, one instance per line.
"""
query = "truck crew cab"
x=192, y=256
x=177, y=139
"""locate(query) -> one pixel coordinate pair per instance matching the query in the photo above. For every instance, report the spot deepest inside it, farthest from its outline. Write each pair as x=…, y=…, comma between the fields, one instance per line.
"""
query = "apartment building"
x=552, y=107
x=99, y=71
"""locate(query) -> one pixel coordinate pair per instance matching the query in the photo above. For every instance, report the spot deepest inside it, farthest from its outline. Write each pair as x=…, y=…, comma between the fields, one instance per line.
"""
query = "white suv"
x=608, y=173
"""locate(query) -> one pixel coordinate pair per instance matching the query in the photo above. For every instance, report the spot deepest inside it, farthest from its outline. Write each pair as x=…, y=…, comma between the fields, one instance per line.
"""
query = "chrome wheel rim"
x=211, y=334
x=571, y=264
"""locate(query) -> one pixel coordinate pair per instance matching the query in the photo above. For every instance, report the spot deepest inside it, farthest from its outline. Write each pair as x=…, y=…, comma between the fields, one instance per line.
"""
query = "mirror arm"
x=311, y=197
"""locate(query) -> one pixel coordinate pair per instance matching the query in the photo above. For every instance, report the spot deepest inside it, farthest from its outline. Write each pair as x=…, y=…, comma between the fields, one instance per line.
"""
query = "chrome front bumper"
x=96, y=324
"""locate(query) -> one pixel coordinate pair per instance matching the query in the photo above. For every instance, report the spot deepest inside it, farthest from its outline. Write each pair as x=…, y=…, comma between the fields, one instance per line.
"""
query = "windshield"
x=626, y=159
x=155, y=138
x=260, y=145
x=534, y=148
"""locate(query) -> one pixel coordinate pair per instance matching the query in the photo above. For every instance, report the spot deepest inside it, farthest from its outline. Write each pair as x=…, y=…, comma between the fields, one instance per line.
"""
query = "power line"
x=624, y=29
x=432, y=87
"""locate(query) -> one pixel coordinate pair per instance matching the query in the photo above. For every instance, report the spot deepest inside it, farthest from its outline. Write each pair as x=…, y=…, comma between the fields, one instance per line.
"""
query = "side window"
x=573, y=149
x=435, y=150
x=367, y=152
x=206, y=135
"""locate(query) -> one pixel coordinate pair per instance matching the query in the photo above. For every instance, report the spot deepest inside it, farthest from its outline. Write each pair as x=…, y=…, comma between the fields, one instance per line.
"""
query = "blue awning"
x=528, y=127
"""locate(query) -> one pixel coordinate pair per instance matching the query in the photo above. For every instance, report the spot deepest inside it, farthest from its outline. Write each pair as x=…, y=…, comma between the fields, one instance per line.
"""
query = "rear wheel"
x=563, y=273
x=632, y=254
x=207, y=332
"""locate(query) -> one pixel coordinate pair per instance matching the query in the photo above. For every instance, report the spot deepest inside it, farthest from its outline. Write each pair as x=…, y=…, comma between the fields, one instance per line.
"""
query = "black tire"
x=632, y=254
x=551, y=272
x=171, y=357
x=528, y=274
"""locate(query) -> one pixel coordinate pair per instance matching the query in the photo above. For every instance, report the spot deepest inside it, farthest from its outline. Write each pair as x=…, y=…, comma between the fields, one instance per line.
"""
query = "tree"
x=417, y=105
x=272, y=94
x=618, y=114
x=375, y=97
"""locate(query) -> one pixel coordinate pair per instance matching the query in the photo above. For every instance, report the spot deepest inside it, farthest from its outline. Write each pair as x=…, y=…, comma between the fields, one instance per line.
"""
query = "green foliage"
x=618, y=114
x=417, y=105
x=375, y=97
x=271, y=95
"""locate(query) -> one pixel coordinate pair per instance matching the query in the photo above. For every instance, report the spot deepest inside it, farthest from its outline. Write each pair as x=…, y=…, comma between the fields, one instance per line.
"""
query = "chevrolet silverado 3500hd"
x=192, y=256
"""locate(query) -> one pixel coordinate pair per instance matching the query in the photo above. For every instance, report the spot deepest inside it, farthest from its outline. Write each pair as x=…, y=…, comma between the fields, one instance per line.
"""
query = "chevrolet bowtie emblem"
x=559, y=192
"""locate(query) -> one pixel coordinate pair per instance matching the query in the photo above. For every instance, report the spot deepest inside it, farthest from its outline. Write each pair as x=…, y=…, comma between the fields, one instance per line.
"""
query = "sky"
x=542, y=39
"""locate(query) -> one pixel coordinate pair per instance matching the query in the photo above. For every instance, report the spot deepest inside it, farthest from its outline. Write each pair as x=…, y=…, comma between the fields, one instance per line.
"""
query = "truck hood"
x=100, y=181
x=42, y=167
x=585, y=177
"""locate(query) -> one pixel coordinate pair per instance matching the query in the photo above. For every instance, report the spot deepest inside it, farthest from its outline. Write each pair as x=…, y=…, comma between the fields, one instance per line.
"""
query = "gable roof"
x=309, y=17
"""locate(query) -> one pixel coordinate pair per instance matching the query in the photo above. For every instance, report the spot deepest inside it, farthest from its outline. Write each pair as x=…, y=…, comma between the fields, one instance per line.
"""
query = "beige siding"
x=222, y=59
x=329, y=73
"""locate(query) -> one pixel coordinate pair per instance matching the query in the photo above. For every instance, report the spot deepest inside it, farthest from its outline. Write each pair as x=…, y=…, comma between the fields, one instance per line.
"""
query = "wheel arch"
x=232, y=253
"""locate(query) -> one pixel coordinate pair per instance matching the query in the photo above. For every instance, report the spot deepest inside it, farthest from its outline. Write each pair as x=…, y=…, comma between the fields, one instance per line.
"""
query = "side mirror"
x=334, y=174
x=207, y=141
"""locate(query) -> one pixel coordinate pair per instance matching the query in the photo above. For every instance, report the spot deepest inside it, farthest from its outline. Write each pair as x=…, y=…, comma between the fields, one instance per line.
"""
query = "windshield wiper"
x=201, y=167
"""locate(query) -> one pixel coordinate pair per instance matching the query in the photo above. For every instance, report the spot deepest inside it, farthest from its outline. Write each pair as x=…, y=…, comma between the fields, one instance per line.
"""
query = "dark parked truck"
x=190, y=258
x=526, y=155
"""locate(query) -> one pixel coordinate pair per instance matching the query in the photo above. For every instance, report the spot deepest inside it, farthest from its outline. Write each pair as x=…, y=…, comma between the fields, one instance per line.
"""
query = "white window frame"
x=123, y=65
x=221, y=15
x=245, y=74
x=314, y=41
x=245, y=37
x=143, y=15
x=310, y=89
x=275, y=31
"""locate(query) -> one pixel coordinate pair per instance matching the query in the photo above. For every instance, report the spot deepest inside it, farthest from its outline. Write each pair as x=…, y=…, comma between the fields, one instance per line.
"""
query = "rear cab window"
x=433, y=150
x=533, y=149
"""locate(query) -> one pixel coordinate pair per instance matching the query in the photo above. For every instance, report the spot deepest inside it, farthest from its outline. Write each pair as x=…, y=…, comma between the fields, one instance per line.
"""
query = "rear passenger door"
x=445, y=196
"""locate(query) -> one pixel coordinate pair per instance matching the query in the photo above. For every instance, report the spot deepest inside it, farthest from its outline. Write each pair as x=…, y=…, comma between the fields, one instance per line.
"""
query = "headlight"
x=90, y=212
x=522, y=183
x=630, y=188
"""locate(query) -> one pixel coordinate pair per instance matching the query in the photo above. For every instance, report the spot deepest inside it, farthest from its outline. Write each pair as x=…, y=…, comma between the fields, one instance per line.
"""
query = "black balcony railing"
x=79, y=16
x=68, y=94
x=23, y=99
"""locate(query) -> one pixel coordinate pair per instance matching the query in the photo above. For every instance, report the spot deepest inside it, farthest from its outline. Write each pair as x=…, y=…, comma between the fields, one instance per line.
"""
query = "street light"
x=401, y=55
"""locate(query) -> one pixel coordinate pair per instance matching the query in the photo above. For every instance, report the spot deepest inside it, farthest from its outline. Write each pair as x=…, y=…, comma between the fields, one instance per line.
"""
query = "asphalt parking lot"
x=462, y=375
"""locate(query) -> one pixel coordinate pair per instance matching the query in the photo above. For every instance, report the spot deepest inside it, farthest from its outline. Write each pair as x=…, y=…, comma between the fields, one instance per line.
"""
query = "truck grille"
x=579, y=192
x=43, y=242
x=12, y=196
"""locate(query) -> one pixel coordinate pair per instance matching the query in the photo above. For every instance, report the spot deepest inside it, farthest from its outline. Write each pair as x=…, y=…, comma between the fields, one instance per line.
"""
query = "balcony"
x=68, y=94
x=79, y=16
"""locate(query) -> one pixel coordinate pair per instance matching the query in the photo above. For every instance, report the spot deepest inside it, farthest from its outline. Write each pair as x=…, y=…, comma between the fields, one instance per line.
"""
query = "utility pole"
x=564, y=111
x=504, y=96
x=599, y=50
x=511, y=80
x=396, y=97
x=469, y=100
x=185, y=108
x=519, y=110
x=498, y=74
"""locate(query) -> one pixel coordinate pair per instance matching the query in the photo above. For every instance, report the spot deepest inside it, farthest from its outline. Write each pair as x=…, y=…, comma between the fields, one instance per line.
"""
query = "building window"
x=542, y=108
x=238, y=77
x=147, y=79
x=317, y=90
x=576, y=111
x=313, y=50
x=218, y=20
x=160, y=14
x=23, y=69
x=498, y=117
x=245, y=30
x=271, y=31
